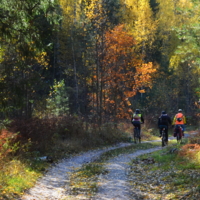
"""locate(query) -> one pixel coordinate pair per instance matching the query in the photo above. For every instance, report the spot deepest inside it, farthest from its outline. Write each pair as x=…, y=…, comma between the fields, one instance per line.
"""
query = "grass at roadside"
x=25, y=142
x=16, y=176
x=173, y=174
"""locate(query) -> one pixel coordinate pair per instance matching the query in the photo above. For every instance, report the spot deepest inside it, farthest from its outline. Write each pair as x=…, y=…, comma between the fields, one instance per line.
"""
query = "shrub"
x=191, y=152
x=110, y=134
x=7, y=143
x=44, y=132
x=195, y=139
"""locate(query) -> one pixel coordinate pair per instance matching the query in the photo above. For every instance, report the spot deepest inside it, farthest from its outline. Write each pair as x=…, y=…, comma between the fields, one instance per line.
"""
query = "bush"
x=110, y=134
x=44, y=133
x=195, y=139
x=191, y=152
x=8, y=143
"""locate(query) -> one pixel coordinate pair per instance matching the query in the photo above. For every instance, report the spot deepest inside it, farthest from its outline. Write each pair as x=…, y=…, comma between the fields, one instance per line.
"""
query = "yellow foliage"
x=71, y=11
x=96, y=13
x=2, y=52
x=174, y=61
x=42, y=59
x=141, y=22
x=168, y=15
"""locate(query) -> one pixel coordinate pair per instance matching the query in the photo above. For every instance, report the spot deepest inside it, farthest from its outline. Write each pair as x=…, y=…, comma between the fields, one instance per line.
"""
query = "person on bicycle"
x=179, y=119
x=163, y=122
x=137, y=119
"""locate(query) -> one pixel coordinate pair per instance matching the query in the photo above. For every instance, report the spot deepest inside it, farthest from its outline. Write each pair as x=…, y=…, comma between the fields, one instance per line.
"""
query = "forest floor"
x=115, y=182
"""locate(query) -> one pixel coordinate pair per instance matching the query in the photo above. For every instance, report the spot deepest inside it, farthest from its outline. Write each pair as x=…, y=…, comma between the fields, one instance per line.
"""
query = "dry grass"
x=191, y=152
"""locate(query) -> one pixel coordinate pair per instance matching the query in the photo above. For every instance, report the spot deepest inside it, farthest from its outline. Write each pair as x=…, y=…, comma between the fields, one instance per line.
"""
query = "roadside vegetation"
x=172, y=173
x=28, y=147
x=24, y=145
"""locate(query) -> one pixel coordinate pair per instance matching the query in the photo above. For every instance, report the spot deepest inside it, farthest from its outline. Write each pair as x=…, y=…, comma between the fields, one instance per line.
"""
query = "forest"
x=99, y=59
x=78, y=69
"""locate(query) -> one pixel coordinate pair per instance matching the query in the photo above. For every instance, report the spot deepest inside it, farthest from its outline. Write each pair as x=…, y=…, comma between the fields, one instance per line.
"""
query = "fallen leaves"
x=150, y=181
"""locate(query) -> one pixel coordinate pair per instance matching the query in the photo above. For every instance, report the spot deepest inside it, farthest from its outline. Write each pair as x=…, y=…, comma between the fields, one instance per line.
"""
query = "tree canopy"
x=99, y=58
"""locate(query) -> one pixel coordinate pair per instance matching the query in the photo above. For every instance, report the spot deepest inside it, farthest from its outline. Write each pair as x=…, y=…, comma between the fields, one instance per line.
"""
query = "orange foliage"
x=189, y=150
x=123, y=72
x=4, y=136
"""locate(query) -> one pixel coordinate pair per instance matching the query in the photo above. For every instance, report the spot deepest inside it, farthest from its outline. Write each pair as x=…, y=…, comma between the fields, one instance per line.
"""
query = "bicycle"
x=163, y=137
x=137, y=135
x=179, y=133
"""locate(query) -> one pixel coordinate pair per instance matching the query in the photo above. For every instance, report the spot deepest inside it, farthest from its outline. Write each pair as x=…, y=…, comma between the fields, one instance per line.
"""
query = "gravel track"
x=54, y=185
x=114, y=184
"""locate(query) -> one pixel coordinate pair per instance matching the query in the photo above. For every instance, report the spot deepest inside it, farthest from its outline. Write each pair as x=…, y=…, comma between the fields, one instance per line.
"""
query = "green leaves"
x=57, y=102
x=19, y=18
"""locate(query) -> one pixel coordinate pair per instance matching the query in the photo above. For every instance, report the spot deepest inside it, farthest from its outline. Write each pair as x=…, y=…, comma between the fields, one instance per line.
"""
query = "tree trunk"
x=75, y=77
x=97, y=84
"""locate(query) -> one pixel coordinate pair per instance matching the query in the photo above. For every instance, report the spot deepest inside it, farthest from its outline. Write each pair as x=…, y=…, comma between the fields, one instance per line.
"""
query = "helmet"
x=163, y=112
x=179, y=110
x=137, y=110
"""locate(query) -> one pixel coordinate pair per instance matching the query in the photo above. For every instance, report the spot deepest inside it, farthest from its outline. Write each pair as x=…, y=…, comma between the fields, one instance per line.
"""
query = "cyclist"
x=179, y=119
x=163, y=121
x=137, y=119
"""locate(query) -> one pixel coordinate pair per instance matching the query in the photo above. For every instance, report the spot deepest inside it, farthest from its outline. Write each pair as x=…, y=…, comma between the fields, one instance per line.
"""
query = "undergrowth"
x=15, y=177
x=177, y=168
x=23, y=142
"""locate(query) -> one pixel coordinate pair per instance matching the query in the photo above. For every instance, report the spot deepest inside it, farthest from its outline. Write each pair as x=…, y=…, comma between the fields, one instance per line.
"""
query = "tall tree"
x=102, y=14
x=141, y=23
x=26, y=35
x=124, y=73
x=177, y=53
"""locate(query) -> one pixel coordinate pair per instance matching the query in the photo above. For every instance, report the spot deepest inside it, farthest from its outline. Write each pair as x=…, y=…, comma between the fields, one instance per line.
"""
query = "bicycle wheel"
x=136, y=135
x=179, y=137
x=164, y=143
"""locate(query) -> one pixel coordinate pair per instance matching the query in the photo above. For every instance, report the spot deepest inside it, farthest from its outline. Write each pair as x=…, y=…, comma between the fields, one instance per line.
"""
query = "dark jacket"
x=164, y=119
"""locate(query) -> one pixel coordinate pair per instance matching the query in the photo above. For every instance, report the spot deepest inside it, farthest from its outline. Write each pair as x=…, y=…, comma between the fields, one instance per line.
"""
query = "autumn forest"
x=72, y=72
x=99, y=59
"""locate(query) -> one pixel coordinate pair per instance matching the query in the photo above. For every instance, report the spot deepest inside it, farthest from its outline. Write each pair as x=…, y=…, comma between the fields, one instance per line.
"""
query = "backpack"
x=136, y=116
x=179, y=117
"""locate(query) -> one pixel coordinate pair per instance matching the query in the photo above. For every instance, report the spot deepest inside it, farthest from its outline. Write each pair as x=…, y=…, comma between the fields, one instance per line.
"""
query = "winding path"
x=54, y=185
x=114, y=184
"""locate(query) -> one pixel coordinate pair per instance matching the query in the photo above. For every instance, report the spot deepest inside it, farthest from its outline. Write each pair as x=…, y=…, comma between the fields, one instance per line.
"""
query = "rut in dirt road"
x=54, y=185
x=114, y=185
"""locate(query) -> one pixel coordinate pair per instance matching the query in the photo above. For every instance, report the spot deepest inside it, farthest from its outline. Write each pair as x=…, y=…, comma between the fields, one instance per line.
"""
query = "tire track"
x=114, y=185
